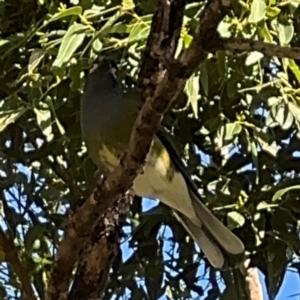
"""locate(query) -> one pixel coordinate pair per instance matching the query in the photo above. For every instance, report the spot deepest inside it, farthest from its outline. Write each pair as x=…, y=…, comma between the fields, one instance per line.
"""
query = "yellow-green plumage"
x=107, y=118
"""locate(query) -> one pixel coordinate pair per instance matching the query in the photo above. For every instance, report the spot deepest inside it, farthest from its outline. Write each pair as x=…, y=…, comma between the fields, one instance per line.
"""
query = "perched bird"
x=107, y=118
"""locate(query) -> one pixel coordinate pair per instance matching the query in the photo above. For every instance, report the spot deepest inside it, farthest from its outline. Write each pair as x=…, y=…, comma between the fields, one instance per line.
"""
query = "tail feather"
x=209, y=248
x=227, y=240
x=221, y=247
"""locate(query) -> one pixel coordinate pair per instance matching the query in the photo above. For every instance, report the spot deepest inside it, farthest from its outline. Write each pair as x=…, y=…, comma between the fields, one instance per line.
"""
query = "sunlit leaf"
x=273, y=11
x=265, y=32
x=70, y=42
x=295, y=69
x=138, y=32
x=264, y=141
x=128, y=4
x=258, y=10
x=281, y=192
x=235, y=220
x=235, y=126
x=9, y=115
x=229, y=131
x=33, y=234
x=35, y=58
x=225, y=29
x=192, y=90
x=253, y=57
x=286, y=33
x=295, y=111
x=43, y=117
x=75, y=10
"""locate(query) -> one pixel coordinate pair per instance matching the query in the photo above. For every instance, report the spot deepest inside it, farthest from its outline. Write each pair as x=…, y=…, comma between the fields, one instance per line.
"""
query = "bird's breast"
x=108, y=157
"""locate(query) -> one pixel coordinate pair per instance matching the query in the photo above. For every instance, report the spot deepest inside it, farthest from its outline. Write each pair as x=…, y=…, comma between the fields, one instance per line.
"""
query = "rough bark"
x=99, y=252
x=162, y=78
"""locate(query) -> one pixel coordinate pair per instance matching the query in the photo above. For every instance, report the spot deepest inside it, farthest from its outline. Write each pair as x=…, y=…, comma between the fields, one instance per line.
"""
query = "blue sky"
x=289, y=290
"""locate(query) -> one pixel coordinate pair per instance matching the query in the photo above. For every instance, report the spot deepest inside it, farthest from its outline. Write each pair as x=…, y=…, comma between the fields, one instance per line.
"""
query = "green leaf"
x=253, y=57
x=286, y=33
x=192, y=91
x=252, y=148
x=235, y=220
x=288, y=119
x=294, y=4
x=204, y=79
x=273, y=101
x=265, y=32
x=281, y=192
x=272, y=11
x=108, y=25
x=38, y=276
x=33, y=234
x=295, y=69
x=232, y=83
x=283, y=116
x=295, y=111
x=75, y=10
x=75, y=72
x=128, y=4
x=118, y=28
x=4, y=42
x=35, y=58
x=43, y=117
x=229, y=131
x=9, y=114
x=225, y=29
x=265, y=206
x=211, y=125
x=264, y=140
x=179, y=48
x=254, y=155
x=187, y=39
x=154, y=271
x=70, y=43
x=276, y=267
x=222, y=65
x=258, y=10
x=96, y=48
x=139, y=31
x=49, y=102
x=97, y=45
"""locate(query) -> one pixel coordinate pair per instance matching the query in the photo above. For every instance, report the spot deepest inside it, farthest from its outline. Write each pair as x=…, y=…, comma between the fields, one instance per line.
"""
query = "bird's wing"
x=213, y=235
x=176, y=158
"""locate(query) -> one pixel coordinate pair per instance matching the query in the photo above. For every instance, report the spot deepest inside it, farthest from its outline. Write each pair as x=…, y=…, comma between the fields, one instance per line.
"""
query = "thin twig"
x=168, y=84
x=11, y=255
x=269, y=50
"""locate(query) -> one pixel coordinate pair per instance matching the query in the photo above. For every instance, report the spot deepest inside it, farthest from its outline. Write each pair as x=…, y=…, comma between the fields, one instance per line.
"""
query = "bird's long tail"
x=221, y=247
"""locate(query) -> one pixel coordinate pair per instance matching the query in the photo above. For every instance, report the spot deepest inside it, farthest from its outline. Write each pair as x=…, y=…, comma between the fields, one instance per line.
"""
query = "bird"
x=107, y=116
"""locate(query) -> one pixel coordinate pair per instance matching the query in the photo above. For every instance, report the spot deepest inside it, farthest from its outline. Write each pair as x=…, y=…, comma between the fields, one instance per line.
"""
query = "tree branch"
x=12, y=257
x=267, y=49
x=99, y=253
x=162, y=41
x=205, y=39
x=167, y=85
x=254, y=285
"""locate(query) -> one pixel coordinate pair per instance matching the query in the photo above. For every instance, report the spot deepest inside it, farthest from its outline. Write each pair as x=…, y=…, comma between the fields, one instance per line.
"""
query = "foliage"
x=237, y=125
